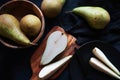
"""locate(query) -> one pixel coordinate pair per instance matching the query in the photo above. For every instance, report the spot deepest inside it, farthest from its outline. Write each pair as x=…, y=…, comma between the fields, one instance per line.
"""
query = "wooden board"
x=36, y=57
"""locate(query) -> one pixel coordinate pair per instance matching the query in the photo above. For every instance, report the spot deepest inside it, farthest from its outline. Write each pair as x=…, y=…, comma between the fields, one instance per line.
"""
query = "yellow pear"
x=51, y=8
x=30, y=25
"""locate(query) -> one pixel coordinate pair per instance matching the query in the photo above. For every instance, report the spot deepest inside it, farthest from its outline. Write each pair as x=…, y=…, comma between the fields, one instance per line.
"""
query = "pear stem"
x=35, y=44
x=68, y=12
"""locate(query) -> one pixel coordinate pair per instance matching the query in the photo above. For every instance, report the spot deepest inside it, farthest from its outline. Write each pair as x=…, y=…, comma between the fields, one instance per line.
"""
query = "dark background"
x=15, y=64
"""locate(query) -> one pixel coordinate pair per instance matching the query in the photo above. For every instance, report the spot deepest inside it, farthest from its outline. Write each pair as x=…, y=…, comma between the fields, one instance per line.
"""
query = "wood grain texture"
x=36, y=57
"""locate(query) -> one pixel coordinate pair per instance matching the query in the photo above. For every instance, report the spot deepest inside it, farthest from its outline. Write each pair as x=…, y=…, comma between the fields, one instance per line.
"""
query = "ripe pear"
x=97, y=17
x=51, y=8
x=50, y=69
x=30, y=25
x=98, y=65
x=10, y=28
x=56, y=44
x=101, y=56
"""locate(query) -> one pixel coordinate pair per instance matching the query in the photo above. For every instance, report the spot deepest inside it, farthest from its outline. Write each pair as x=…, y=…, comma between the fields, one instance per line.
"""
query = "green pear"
x=51, y=8
x=97, y=17
x=10, y=28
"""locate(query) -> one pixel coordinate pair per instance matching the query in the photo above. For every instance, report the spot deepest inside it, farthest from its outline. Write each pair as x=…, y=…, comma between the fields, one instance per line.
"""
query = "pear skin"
x=30, y=25
x=97, y=17
x=51, y=8
x=10, y=28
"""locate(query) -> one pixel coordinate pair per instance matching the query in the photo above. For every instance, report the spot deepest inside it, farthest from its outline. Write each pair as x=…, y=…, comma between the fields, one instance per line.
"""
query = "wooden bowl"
x=20, y=8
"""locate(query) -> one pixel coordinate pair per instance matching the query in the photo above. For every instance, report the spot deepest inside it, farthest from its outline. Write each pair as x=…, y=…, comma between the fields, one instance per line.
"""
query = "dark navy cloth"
x=15, y=64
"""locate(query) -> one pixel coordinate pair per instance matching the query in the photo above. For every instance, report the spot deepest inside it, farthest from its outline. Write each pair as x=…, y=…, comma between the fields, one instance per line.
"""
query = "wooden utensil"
x=36, y=57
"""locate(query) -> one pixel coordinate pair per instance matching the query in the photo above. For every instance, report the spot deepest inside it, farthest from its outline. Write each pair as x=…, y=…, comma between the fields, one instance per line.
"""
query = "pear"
x=30, y=25
x=50, y=69
x=51, y=8
x=95, y=63
x=56, y=43
x=100, y=55
x=97, y=17
x=10, y=28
